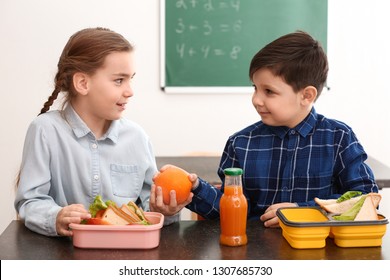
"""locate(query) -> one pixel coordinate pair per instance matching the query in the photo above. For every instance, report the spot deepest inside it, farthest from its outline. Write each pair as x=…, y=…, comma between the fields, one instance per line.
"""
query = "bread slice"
x=331, y=206
x=134, y=217
x=339, y=208
x=115, y=216
x=376, y=198
x=322, y=202
x=368, y=210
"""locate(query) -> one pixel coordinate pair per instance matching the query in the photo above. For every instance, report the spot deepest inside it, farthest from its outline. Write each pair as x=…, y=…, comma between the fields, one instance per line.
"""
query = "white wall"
x=33, y=34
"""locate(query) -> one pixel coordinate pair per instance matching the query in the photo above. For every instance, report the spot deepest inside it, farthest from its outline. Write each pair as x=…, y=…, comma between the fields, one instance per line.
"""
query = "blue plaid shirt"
x=318, y=158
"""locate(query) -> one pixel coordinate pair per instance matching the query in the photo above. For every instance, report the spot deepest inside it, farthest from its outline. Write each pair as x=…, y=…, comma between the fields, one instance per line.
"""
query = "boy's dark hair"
x=297, y=58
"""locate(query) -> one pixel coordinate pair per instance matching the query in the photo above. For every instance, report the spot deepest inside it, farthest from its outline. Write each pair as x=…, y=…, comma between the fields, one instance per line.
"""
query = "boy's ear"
x=80, y=83
x=309, y=95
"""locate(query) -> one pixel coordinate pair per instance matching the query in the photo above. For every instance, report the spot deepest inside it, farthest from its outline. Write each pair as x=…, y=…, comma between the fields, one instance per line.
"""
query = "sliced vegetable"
x=351, y=213
x=348, y=195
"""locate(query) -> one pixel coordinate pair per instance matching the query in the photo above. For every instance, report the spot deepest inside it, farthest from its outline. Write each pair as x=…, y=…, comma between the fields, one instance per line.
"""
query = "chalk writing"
x=208, y=5
x=207, y=27
x=206, y=50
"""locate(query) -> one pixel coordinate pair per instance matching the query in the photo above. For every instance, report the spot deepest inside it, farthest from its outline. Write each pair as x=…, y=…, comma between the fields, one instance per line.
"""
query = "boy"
x=293, y=154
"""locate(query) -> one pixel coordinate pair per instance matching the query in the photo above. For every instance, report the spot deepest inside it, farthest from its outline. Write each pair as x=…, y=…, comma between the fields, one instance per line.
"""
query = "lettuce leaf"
x=348, y=195
x=351, y=213
x=110, y=202
x=98, y=204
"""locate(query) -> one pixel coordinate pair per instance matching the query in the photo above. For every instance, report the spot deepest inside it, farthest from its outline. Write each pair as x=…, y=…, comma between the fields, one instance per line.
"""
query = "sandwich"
x=115, y=216
x=352, y=206
x=133, y=211
x=108, y=213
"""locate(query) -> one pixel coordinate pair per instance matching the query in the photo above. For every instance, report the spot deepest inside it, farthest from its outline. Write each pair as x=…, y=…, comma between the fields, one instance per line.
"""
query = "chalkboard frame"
x=172, y=89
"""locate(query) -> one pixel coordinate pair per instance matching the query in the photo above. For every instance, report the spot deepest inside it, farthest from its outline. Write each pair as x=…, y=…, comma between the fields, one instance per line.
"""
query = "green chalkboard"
x=209, y=43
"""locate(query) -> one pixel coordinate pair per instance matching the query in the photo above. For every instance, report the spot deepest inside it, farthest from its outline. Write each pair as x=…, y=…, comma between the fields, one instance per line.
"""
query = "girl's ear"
x=309, y=95
x=80, y=83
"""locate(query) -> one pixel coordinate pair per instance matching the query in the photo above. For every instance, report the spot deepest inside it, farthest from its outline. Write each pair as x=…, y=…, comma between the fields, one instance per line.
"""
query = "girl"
x=86, y=148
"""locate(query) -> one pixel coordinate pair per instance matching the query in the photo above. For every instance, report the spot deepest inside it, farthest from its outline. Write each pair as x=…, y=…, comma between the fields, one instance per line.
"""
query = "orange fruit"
x=174, y=178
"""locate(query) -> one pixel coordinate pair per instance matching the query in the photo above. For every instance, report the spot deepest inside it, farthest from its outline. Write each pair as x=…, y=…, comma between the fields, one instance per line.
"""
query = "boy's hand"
x=73, y=213
x=269, y=217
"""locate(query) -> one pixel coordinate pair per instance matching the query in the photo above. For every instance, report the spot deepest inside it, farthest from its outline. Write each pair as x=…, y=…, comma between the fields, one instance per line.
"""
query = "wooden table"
x=185, y=240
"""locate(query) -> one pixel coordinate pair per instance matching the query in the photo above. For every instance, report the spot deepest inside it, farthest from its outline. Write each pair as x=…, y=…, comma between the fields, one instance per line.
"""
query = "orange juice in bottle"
x=233, y=209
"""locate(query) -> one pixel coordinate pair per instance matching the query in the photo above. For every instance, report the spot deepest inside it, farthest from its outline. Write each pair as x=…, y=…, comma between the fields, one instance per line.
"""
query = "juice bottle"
x=233, y=209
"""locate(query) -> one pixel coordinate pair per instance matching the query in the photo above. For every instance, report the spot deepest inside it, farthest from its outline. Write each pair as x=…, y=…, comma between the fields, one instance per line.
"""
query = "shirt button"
x=96, y=177
x=94, y=146
x=292, y=132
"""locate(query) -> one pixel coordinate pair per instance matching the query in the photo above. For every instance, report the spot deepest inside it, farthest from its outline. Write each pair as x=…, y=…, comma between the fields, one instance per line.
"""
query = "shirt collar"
x=307, y=124
x=303, y=128
x=280, y=131
x=80, y=129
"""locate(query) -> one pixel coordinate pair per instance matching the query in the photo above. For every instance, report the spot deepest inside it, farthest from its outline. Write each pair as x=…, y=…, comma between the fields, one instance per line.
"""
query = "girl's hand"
x=192, y=177
x=73, y=213
x=269, y=217
x=156, y=203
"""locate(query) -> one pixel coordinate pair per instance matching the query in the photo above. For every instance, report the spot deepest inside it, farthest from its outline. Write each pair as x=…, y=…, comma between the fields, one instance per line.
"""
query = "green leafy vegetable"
x=351, y=213
x=138, y=211
x=98, y=204
x=348, y=195
x=110, y=202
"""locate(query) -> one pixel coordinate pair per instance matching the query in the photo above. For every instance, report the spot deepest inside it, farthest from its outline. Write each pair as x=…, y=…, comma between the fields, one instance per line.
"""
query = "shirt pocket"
x=314, y=185
x=125, y=180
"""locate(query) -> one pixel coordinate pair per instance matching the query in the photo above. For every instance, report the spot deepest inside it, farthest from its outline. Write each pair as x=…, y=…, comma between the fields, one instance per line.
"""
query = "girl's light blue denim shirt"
x=63, y=163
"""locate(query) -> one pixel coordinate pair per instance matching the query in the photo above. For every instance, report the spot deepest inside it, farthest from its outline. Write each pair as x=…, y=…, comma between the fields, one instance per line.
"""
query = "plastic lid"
x=233, y=171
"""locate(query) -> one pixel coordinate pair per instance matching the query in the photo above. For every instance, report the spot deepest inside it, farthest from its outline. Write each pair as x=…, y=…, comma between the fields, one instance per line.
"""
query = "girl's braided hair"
x=85, y=52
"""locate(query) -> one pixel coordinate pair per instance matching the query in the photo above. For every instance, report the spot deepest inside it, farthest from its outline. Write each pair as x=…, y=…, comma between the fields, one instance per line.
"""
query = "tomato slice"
x=97, y=221
x=99, y=214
